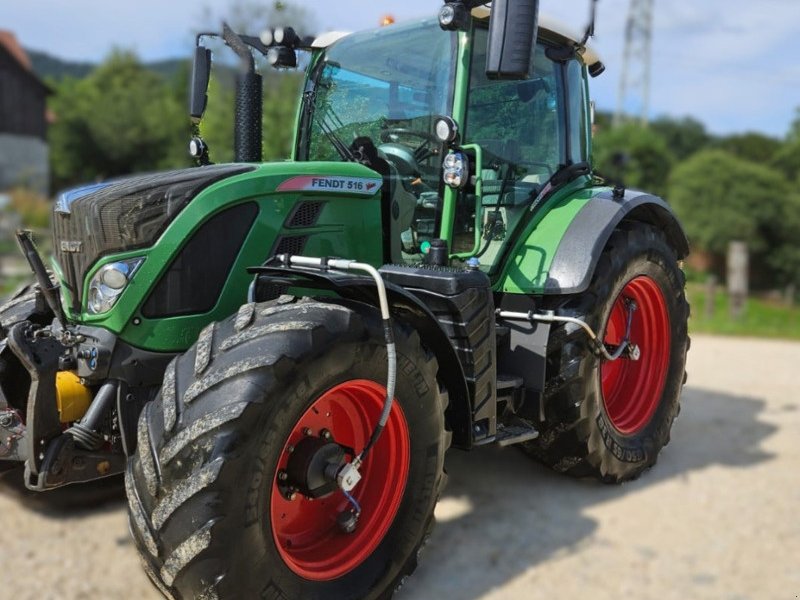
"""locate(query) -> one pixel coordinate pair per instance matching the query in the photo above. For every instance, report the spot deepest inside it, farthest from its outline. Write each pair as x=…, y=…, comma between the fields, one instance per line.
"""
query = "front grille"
x=305, y=214
x=290, y=244
x=123, y=215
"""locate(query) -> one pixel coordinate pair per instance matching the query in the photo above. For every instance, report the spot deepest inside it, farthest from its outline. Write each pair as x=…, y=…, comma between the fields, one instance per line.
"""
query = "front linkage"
x=65, y=434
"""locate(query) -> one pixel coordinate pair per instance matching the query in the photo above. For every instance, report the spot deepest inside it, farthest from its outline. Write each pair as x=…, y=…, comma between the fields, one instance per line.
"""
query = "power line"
x=634, y=85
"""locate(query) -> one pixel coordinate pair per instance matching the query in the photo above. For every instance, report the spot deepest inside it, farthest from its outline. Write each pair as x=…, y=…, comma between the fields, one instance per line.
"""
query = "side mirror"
x=201, y=72
x=512, y=35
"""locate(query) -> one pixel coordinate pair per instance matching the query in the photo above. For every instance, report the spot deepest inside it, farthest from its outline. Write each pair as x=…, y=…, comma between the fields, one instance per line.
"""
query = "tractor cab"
x=464, y=153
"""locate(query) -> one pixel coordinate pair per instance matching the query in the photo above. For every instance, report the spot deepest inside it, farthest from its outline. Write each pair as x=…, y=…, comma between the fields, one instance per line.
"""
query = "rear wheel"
x=610, y=419
x=223, y=500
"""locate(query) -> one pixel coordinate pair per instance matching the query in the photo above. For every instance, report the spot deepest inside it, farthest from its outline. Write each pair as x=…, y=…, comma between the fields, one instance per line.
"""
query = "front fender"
x=405, y=307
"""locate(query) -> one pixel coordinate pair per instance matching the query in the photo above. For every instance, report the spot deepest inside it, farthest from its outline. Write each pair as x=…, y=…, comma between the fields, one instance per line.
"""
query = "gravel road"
x=717, y=518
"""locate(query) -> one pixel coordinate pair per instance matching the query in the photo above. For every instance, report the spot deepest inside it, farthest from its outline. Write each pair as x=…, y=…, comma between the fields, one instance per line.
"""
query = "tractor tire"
x=26, y=304
x=208, y=510
x=610, y=420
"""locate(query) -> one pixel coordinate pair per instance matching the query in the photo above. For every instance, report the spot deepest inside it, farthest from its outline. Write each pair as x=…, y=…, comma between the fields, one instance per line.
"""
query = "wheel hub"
x=313, y=466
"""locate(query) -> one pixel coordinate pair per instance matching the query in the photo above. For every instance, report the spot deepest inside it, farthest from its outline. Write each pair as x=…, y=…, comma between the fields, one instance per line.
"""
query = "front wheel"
x=227, y=495
x=610, y=419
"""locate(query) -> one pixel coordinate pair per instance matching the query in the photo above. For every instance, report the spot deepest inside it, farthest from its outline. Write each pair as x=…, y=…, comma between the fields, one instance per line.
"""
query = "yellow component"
x=387, y=20
x=72, y=397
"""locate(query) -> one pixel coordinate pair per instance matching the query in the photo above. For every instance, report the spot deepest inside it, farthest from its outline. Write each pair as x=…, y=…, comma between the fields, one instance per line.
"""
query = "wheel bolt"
x=326, y=435
x=282, y=476
x=307, y=431
x=291, y=495
x=289, y=449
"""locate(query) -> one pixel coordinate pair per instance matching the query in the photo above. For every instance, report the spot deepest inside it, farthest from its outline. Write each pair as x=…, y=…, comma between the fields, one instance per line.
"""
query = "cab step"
x=515, y=432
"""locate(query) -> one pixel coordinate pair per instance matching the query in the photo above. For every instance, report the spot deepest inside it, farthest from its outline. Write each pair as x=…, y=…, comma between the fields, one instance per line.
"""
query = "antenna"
x=634, y=84
x=592, y=20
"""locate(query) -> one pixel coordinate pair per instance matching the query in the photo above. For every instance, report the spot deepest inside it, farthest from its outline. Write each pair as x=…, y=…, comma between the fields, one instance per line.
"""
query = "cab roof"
x=552, y=28
x=556, y=29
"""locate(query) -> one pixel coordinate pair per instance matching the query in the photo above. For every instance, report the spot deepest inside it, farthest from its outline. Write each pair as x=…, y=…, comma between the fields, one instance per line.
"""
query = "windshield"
x=374, y=97
x=388, y=85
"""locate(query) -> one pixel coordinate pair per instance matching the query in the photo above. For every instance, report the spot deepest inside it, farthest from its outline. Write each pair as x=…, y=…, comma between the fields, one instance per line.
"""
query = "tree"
x=121, y=119
x=787, y=160
x=752, y=146
x=794, y=128
x=683, y=136
x=647, y=161
x=720, y=198
x=784, y=257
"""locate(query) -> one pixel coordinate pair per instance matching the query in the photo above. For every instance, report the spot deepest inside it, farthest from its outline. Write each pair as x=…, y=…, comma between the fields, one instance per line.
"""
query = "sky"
x=727, y=63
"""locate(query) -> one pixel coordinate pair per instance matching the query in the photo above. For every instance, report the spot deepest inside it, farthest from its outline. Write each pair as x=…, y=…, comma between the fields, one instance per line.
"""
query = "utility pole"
x=635, y=80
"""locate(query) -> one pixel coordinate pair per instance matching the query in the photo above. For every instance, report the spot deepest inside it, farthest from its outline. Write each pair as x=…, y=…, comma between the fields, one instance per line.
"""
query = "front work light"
x=108, y=284
x=446, y=130
x=454, y=16
x=456, y=169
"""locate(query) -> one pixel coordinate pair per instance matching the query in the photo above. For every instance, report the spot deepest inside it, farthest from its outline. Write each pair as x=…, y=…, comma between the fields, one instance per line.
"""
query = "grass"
x=761, y=318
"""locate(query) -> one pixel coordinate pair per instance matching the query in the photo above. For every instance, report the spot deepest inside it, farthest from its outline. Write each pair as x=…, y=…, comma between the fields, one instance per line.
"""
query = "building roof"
x=9, y=43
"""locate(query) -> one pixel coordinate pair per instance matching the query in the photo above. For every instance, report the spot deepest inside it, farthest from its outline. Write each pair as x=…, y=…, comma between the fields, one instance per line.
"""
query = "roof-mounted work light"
x=456, y=15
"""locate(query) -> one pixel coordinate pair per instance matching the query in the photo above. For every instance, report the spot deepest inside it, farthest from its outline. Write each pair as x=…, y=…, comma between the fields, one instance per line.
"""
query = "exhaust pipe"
x=247, y=129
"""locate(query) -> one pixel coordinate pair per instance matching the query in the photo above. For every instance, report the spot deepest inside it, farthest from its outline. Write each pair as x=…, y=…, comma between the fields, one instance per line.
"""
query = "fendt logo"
x=350, y=185
x=71, y=247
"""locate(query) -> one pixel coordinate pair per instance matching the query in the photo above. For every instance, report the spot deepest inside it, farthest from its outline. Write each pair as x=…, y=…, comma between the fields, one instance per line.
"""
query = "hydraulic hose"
x=551, y=317
x=388, y=334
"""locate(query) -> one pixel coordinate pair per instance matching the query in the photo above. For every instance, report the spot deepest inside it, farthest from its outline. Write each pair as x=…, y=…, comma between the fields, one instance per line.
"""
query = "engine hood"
x=123, y=215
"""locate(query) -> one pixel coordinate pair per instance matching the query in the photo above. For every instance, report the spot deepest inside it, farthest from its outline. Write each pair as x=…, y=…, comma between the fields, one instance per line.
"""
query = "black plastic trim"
x=577, y=255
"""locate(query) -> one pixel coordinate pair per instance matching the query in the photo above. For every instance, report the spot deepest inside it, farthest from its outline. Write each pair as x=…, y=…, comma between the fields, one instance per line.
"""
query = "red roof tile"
x=9, y=41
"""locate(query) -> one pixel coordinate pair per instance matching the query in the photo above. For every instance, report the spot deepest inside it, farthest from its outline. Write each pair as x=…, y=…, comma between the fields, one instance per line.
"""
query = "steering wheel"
x=391, y=135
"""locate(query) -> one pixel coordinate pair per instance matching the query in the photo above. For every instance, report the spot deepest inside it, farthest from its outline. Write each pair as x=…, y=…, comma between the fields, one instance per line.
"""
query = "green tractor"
x=278, y=356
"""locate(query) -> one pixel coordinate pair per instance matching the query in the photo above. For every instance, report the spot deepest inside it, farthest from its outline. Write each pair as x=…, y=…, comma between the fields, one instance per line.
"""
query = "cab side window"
x=578, y=108
x=516, y=122
x=520, y=128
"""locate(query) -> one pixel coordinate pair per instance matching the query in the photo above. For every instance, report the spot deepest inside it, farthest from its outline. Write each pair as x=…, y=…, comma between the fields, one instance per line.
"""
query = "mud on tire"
x=199, y=486
x=585, y=435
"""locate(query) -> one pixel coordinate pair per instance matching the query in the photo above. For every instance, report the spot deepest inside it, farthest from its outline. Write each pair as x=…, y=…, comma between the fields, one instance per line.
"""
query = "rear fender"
x=575, y=260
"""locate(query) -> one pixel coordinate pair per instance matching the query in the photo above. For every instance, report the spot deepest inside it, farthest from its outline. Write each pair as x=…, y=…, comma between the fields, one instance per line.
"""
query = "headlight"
x=108, y=284
x=456, y=169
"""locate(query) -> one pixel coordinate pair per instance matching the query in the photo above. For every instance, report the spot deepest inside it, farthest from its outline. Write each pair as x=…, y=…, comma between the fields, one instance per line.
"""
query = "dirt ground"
x=717, y=518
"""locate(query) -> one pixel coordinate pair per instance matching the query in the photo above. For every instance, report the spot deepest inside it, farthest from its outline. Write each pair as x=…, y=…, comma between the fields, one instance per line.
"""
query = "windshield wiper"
x=335, y=140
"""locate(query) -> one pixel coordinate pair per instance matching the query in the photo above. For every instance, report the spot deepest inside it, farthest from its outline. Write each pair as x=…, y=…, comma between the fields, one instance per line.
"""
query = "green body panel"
x=528, y=264
x=347, y=226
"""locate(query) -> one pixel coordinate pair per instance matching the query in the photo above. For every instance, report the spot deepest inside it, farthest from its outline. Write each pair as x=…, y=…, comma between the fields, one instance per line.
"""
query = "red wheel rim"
x=305, y=531
x=632, y=389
